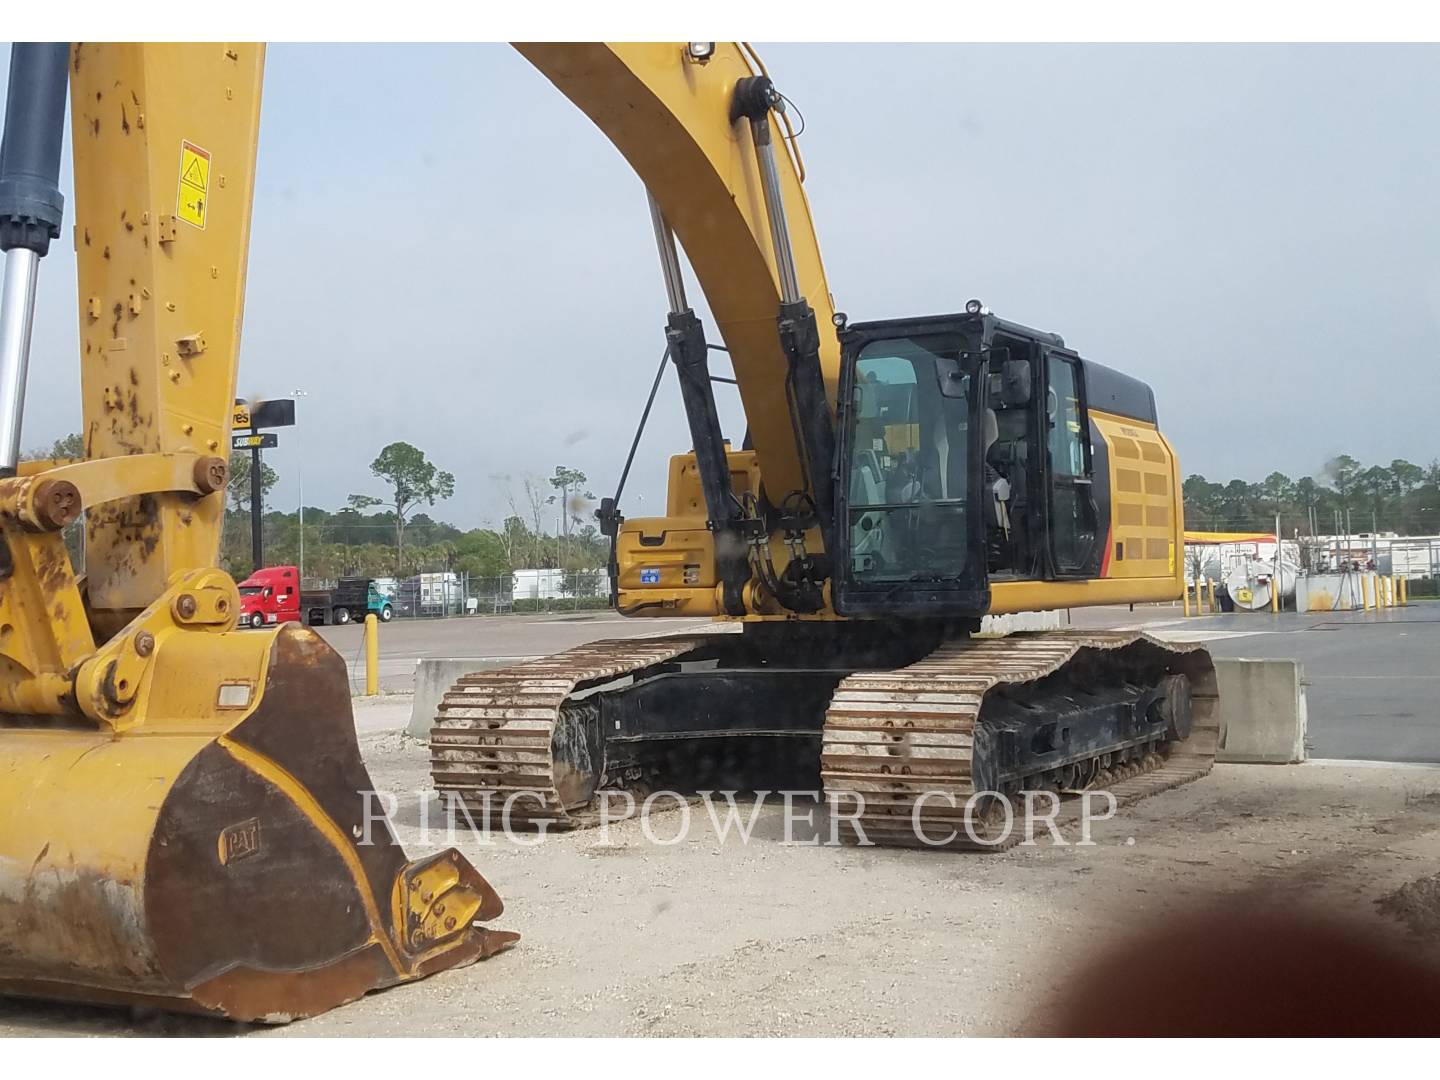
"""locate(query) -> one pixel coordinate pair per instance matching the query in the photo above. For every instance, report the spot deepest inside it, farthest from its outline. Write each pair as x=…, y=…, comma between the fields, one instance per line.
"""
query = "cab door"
x=1073, y=534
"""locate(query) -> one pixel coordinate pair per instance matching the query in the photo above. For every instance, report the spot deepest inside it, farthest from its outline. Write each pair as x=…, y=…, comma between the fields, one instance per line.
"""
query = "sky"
x=446, y=252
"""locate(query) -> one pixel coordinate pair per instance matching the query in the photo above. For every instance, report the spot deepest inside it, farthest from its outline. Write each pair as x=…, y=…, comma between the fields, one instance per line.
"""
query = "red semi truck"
x=272, y=595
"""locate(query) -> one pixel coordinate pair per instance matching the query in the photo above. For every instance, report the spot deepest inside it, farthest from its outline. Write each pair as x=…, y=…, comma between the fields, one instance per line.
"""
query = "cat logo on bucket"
x=240, y=841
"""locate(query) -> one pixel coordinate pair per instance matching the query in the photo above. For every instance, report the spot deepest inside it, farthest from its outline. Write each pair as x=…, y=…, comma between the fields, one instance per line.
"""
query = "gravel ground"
x=722, y=938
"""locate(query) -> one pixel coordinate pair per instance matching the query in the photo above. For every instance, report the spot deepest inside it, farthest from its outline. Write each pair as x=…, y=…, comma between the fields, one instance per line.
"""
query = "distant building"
x=560, y=584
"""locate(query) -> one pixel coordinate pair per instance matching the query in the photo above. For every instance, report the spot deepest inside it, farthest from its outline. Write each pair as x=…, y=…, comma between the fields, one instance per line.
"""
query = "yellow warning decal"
x=192, y=201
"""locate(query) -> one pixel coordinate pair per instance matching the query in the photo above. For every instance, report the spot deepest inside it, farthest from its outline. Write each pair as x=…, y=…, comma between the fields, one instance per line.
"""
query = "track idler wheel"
x=578, y=749
x=1174, y=707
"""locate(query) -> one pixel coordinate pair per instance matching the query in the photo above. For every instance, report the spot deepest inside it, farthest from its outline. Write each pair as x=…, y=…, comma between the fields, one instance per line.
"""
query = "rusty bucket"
x=214, y=857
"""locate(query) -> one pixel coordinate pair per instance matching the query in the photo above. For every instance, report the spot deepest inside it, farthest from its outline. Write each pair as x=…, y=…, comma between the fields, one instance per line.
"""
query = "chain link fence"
x=449, y=594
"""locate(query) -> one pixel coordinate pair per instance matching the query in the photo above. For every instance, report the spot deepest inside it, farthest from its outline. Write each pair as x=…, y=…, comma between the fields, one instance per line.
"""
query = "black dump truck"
x=352, y=598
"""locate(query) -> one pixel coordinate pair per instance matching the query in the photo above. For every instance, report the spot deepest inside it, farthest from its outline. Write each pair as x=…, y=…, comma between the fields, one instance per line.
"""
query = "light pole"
x=300, y=480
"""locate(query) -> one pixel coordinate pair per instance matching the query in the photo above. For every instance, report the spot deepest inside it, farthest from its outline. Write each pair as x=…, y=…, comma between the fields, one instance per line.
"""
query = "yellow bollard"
x=1404, y=592
x=1274, y=594
x=372, y=656
x=1210, y=589
x=1394, y=592
x=1365, y=591
x=1185, y=597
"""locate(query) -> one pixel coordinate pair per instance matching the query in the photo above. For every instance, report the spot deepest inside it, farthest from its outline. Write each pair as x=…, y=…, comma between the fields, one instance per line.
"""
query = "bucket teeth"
x=441, y=898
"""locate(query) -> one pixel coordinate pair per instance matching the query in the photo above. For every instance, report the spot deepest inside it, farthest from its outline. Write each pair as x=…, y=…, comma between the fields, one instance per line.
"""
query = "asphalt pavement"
x=1372, y=677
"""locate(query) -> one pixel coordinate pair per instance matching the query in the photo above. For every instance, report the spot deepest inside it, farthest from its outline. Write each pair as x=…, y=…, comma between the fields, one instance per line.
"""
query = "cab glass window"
x=908, y=435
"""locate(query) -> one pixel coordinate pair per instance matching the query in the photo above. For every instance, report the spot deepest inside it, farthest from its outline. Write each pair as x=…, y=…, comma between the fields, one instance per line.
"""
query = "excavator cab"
x=965, y=457
x=907, y=516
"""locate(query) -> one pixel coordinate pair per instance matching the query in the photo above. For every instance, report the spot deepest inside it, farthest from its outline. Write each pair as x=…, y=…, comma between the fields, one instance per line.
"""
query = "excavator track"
x=499, y=733
x=521, y=744
x=891, y=737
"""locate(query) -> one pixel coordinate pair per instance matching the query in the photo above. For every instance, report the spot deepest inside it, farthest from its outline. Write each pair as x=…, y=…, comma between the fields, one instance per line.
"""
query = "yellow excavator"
x=183, y=819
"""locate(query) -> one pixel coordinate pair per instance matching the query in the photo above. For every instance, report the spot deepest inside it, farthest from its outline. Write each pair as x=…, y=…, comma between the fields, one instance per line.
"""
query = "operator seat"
x=1009, y=458
x=866, y=488
x=997, y=486
x=943, y=463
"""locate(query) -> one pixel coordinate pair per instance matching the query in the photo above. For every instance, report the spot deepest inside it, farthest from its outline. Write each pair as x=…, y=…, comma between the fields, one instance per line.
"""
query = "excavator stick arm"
x=186, y=820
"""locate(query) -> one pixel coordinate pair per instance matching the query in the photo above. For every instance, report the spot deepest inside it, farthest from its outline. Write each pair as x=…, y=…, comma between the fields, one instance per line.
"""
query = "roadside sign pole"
x=255, y=521
x=253, y=416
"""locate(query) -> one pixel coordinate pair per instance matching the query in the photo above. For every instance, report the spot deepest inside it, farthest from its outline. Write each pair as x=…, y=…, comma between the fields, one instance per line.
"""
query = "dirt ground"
x=711, y=938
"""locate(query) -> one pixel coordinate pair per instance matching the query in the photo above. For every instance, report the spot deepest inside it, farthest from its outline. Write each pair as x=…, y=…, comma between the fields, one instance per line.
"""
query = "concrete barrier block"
x=435, y=675
x=1262, y=711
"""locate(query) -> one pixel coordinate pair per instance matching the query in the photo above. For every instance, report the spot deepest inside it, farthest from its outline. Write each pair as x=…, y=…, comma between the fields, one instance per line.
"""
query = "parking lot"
x=1292, y=881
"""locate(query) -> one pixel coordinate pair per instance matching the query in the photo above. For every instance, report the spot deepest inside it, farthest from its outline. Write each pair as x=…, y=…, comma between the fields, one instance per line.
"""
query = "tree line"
x=1346, y=495
x=390, y=534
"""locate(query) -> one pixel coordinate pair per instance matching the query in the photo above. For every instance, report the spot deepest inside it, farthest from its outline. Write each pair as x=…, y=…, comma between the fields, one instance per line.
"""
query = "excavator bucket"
x=223, y=855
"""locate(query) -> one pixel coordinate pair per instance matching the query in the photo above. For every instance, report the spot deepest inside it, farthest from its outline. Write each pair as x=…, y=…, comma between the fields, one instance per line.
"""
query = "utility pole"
x=1275, y=600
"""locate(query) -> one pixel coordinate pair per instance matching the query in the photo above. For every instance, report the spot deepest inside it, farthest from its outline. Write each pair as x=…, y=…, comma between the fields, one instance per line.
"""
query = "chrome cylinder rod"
x=17, y=319
x=775, y=209
x=669, y=258
x=31, y=208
